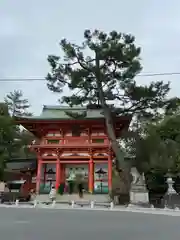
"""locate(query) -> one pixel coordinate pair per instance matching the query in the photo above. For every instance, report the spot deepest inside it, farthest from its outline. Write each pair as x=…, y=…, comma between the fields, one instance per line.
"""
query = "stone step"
x=75, y=197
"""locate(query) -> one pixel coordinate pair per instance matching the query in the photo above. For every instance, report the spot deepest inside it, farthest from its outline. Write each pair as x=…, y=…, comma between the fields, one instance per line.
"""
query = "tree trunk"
x=121, y=166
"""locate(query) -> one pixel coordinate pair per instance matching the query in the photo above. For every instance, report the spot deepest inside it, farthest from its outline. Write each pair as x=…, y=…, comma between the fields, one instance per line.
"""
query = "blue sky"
x=30, y=30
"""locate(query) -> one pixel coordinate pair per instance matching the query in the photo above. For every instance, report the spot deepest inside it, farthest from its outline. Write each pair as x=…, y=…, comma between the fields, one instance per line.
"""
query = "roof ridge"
x=59, y=107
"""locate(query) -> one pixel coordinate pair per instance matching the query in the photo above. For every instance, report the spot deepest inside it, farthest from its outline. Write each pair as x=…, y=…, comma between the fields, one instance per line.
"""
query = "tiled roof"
x=60, y=113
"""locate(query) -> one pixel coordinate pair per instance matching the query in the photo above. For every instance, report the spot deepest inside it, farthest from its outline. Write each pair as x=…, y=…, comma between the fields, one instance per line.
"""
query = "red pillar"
x=63, y=173
x=45, y=169
x=38, y=178
x=91, y=176
x=58, y=174
x=109, y=172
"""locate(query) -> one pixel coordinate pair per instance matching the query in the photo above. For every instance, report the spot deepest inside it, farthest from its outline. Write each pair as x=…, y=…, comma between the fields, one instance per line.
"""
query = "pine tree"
x=17, y=105
x=106, y=76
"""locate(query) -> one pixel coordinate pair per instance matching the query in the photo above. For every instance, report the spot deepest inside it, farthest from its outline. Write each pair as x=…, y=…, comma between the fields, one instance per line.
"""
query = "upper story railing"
x=69, y=140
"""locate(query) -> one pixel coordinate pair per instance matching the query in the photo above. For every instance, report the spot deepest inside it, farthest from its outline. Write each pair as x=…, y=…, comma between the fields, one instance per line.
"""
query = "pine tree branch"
x=83, y=64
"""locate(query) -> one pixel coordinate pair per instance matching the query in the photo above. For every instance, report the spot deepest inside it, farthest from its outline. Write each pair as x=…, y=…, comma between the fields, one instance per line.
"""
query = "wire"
x=43, y=79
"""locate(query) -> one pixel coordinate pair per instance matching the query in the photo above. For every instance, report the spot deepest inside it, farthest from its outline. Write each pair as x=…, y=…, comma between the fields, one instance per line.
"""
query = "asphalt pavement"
x=45, y=224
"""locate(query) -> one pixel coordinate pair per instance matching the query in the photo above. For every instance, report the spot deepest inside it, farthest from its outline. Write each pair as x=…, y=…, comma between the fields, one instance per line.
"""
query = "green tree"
x=7, y=132
x=17, y=105
x=157, y=153
x=104, y=76
x=159, y=148
x=25, y=138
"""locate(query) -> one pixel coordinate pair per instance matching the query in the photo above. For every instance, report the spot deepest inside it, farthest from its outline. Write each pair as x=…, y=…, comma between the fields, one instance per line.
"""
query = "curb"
x=128, y=209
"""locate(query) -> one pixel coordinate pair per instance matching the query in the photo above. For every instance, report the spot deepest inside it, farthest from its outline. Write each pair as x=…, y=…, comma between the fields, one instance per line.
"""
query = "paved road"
x=43, y=224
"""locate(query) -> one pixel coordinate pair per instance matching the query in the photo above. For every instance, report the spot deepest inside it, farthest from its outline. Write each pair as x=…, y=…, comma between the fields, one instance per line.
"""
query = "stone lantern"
x=171, y=198
x=170, y=183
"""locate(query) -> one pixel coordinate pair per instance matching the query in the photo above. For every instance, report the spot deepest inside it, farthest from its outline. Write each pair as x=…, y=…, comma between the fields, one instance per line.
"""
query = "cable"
x=43, y=79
